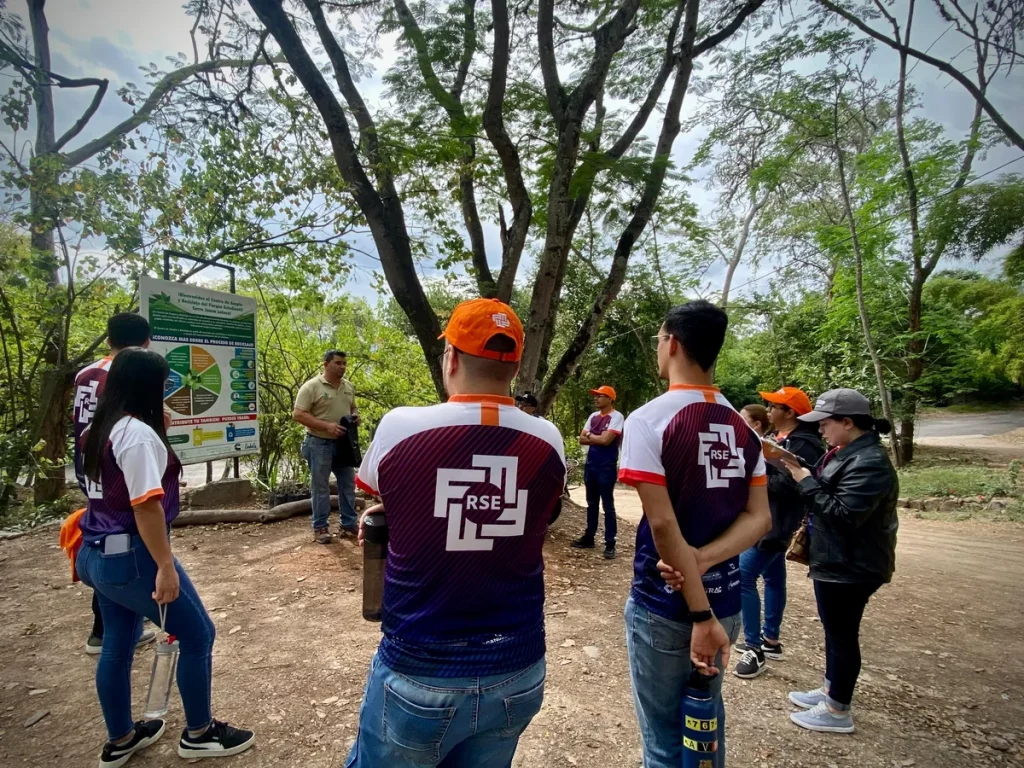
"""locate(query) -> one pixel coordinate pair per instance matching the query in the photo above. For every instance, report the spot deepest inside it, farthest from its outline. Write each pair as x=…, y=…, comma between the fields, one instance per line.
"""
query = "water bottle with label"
x=375, y=554
x=700, y=723
x=165, y=663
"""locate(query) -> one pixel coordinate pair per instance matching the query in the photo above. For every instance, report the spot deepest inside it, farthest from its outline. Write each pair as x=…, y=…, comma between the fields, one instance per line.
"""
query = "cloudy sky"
x=112, y=38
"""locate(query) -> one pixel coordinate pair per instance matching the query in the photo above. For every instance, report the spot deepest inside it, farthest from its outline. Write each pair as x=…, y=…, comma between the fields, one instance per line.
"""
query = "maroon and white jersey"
x=89, y=385
x=136, y=467
x=692, y=441
x=468, y=488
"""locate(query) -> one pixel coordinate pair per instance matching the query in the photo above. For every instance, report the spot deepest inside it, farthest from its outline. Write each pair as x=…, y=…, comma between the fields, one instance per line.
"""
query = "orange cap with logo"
x=477, y=321
x=605, y=390
x=792, y=397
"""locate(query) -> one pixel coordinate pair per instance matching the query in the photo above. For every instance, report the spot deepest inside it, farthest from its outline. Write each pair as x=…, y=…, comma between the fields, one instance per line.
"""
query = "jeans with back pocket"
x=464, y=722
x=124, y=583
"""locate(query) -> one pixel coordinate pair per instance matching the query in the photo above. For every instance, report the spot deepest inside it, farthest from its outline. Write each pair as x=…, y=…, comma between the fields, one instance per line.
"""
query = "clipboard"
x=774, y=453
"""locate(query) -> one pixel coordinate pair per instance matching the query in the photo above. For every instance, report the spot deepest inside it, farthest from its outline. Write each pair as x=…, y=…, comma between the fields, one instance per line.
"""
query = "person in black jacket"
x=767, y=558
x=851, y=499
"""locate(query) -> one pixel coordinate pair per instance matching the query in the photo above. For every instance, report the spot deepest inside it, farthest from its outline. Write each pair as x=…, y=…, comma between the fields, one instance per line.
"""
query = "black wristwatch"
x=696, y=617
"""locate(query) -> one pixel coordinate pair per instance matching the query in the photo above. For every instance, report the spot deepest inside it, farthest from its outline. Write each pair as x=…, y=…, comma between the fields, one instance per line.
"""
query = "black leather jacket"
x=787, y=505
x=853, y=514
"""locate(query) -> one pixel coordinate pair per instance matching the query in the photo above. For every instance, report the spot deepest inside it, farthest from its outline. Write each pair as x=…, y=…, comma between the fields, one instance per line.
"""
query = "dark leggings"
x=97, y=617
x=841, y=607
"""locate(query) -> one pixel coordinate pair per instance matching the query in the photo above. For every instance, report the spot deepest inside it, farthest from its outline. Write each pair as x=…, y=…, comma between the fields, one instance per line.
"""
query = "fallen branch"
x=273, y=515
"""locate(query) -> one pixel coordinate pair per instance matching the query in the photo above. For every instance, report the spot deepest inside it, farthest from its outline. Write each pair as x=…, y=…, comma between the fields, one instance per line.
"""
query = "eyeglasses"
x=658, y=338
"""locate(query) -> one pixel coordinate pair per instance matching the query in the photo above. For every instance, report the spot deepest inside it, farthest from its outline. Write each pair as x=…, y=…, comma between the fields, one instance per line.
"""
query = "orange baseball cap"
x=477, y=321
x=605, y=390
x=792, y=397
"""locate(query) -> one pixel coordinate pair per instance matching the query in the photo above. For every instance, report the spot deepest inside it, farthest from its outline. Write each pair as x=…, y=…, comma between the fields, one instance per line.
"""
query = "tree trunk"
x=737, y=252
x=49, y=423
x=865, y=321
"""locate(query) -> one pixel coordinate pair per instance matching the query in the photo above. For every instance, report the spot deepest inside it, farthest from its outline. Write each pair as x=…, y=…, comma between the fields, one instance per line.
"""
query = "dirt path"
x=942, y=648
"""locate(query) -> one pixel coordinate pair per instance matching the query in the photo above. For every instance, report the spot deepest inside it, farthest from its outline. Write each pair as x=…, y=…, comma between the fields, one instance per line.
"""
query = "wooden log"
x=273, y=515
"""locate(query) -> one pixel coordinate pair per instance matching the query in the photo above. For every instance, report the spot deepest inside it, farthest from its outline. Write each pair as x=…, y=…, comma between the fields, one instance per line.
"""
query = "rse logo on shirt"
x=453, y=497
x=86, y=397
x=718, y=455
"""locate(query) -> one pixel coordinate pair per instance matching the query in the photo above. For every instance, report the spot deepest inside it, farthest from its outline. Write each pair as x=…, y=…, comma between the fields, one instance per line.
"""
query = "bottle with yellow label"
x=700, y=724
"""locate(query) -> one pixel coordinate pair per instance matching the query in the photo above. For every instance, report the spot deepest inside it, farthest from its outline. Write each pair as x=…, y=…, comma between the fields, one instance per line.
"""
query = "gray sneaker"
x=808, y=699
x=322, y=536
x=821, y=718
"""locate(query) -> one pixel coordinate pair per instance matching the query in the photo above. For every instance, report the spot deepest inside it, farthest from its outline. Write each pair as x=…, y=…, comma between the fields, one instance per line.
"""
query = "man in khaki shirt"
x=320, y=405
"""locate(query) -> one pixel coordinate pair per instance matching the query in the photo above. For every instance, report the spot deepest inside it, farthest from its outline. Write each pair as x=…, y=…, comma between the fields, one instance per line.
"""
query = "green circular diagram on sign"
x=193, y=385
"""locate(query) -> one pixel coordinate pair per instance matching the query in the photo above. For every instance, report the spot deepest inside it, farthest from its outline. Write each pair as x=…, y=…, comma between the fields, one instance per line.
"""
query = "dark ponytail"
x=867, y=423
x=134, y=387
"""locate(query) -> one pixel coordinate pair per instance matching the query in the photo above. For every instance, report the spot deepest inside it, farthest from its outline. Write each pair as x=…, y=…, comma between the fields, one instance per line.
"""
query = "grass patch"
x=1003, y=405
x=917, y=482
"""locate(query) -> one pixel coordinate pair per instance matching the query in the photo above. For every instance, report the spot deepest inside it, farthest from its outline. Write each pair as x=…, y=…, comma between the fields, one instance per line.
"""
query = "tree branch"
x=75, y=129
x=167, y=84
x=641, y=217
x=468, y=48
x=945, y=67
x=548, y=63
x=452, y=105
x=668, y=62
x=726, y=32
x=494, y=126
x=368, y=138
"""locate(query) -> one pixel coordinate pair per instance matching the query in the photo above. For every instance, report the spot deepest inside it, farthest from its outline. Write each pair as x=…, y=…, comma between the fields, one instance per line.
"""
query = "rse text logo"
x=718, y=455
x=453, y=499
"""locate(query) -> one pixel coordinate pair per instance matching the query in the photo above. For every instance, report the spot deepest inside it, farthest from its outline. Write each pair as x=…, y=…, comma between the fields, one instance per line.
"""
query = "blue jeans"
x=771, y=566
x=600, y=485
x=319, y=454
x=659, y=668
x=125, y=584
x=459, y=722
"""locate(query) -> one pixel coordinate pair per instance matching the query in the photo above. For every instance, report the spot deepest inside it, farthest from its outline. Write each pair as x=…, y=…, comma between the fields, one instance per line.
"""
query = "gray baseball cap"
x=838, y=402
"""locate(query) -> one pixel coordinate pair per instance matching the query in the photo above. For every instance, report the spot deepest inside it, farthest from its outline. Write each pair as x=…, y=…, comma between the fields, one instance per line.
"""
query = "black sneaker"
x=751, y=665
x=348, y=531
x=772, y=651
x=146, y=733
x=609, y=551
x=219, y=740
x=583, y=542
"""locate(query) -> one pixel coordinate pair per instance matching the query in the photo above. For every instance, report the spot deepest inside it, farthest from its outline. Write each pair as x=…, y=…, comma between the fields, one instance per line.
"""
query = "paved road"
x=962, y=424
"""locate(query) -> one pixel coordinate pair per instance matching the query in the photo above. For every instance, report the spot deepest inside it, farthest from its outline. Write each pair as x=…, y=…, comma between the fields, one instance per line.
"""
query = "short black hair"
x=330, y=354
x=126, y=329
x=700, y=327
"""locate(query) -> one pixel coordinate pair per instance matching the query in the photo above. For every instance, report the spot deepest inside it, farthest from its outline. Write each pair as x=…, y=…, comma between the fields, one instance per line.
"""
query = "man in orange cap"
x=468, y=487
x=767, y=558
x=601, y=436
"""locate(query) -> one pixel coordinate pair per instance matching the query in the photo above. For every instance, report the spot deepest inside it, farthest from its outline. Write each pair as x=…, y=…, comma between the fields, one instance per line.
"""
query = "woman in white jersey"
x=126, y=558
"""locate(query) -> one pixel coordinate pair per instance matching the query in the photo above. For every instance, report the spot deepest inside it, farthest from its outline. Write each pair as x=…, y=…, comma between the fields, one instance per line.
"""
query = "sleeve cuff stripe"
x=634, y=476
x=156, y=493
x=365, y=487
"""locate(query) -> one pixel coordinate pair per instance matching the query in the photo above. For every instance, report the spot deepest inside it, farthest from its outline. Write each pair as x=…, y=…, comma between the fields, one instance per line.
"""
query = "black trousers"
x=840, y=608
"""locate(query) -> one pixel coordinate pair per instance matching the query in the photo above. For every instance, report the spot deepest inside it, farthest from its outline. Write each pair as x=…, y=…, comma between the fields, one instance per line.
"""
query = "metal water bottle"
x=700, y=723
x=375, y=555
x=165, y=662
